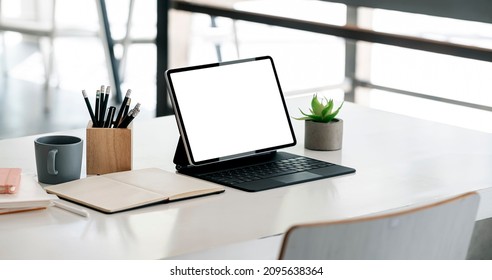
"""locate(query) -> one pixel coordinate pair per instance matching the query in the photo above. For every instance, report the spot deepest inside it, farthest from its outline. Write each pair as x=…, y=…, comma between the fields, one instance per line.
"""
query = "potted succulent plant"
x=323, y=131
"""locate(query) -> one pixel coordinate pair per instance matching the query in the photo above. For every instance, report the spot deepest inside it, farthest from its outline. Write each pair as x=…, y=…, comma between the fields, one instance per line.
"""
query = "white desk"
x=400, y=161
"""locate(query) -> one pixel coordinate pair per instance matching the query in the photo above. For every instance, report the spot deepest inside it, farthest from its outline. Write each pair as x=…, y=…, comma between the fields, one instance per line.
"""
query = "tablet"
x=230, y=109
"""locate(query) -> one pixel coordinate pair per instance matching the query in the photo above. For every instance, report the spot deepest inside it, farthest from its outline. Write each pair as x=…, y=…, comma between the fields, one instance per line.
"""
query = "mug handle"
x=50, y=164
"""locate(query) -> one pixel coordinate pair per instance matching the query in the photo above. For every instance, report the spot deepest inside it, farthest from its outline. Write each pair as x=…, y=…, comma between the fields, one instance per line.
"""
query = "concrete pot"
x=323, y=136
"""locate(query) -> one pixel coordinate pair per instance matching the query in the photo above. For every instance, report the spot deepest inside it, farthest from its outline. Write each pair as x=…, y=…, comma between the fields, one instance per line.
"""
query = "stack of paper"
x=30, y=196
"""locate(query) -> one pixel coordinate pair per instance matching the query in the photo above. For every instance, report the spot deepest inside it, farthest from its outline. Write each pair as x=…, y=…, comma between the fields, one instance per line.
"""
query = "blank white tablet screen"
x=231, y=109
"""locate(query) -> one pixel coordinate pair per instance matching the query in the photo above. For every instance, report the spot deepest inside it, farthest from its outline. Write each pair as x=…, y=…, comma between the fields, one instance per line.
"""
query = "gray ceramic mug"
x=58, y=158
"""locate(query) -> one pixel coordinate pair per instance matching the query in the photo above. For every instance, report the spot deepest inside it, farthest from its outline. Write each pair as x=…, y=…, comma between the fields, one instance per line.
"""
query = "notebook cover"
x=9, y=180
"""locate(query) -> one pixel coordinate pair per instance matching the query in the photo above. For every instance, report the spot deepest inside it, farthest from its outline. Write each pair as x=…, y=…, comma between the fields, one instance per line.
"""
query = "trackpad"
x=297, y=177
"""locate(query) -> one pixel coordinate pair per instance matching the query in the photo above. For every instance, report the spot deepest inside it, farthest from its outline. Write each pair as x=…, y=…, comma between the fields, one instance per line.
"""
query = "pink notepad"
x=9, y=180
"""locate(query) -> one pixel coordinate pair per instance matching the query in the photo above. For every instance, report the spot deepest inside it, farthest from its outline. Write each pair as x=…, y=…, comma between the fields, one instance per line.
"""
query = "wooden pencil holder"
x=108, y=149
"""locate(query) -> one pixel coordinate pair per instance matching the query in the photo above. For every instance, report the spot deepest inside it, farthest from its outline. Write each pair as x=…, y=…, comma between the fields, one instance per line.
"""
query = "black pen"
x=131, y=115
x=122, y=107
x=98, y=97
x=109, y=118
x=89, y=107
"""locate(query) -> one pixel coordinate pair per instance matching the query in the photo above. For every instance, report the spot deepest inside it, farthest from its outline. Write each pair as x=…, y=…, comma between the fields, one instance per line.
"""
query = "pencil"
x=89, y=107
x=109, y=118
x=98, y=108
x=129, y=118
x=122, y=107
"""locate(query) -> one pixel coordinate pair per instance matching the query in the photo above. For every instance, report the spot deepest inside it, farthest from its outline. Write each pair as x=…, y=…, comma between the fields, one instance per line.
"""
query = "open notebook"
x=121, y=191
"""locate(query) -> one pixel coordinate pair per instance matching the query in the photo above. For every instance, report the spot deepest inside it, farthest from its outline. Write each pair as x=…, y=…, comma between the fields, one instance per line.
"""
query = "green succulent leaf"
x=307, y=115
x=338, y=110
x=316, y=106
x=302, y=118
x=327, y=110
x=331, y=116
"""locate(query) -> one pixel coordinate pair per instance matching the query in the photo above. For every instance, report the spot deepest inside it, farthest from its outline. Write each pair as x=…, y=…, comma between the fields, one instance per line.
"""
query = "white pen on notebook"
x=75, y=210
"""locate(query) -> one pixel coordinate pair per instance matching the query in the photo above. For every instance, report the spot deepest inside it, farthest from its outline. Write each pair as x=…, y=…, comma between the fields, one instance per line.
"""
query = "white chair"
x=438, y=231
x=441, y=230
x=481, y=241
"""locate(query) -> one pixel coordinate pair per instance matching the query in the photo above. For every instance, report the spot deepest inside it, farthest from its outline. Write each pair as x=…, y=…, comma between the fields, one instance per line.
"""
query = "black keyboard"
x=264, y=170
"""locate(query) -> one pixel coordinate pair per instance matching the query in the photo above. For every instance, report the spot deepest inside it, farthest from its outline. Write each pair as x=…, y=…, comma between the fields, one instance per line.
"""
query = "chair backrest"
x=481, y=241
x=440, y=230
